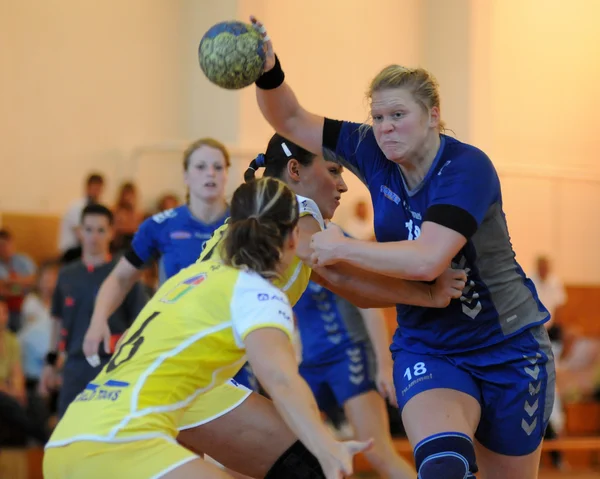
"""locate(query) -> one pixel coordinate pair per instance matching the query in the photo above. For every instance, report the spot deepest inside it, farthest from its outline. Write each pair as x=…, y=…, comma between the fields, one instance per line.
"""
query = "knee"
x=446, y=456
x=380, y=453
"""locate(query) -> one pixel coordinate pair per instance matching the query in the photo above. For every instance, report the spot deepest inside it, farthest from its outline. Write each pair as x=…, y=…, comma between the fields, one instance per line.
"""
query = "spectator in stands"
x=12, y=382
x=73, y=304
x=578, y=374
x=68, y=239
x=17, y=277
x=15, y=426
x=167, y=202
x=34, y=337
x=125, y=227
x=128, y=200
x=551, y=292
x=360, y=225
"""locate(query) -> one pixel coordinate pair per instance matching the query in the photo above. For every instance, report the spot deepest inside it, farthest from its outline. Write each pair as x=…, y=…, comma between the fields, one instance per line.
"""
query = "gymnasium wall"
x=533, y=108
x=116, y=87
x=85, y=84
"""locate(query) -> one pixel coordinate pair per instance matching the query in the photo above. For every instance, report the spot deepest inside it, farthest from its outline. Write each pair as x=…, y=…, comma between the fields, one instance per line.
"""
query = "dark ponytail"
x=279, y=152
x=263, y=213
x=255, y=164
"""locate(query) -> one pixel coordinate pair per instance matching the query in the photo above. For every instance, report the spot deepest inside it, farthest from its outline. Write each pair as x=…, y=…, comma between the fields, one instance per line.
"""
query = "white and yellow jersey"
x=295, y=280
x=185, y=342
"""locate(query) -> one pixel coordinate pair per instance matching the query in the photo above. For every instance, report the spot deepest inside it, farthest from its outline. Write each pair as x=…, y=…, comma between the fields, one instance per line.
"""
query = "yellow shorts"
x=144, y=459
x=215, y=403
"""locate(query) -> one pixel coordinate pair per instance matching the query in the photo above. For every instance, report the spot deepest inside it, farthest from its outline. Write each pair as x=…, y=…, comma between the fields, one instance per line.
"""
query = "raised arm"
x=280, y=106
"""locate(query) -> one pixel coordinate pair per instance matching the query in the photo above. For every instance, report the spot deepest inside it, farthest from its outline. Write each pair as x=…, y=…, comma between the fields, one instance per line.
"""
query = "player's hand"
x=384, y=380
x=336, y=461
x=49, y=380
x=448, y=286
x=97, y=333
x=268, y=44
x=324, y=245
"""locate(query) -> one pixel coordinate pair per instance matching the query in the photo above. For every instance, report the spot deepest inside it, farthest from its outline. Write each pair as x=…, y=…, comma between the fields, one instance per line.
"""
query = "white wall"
x=86, y=83
x=116, y=87
x=534, y=102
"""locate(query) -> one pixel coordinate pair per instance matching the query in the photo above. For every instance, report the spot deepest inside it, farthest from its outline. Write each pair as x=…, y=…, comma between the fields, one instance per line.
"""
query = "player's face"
x=400, y=124
x=94, y=191
x=323, y=183
x=95, y=234
x=206, y=174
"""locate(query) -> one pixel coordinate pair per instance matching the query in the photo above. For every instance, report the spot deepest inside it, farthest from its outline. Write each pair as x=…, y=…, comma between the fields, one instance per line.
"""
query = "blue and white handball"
x=231, y=55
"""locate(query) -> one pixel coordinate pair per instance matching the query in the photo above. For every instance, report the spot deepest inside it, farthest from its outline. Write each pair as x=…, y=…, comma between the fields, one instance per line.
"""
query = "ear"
x=293, y=169
x=293, y=238
x=434, y=117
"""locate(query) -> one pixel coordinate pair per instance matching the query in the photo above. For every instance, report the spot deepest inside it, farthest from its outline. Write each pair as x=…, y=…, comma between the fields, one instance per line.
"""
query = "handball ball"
x=231, y=55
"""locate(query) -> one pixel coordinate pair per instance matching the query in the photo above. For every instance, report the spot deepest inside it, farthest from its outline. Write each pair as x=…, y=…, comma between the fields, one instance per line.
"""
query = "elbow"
x=363, y=303
x=429, y=269
x=124, y=278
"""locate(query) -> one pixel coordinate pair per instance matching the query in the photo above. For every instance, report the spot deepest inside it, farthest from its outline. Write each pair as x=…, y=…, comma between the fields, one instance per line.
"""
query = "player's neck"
x=416, y=168
x=207, y=212
x=95, y=259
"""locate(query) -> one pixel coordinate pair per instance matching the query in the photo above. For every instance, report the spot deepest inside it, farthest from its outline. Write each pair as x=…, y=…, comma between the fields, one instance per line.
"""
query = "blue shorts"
x=346, y=375
x=513, y=382
x=246, y=377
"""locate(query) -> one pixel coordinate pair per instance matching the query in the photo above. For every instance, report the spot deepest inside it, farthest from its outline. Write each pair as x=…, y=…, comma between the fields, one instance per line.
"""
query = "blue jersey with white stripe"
x=327, y=324
x=499, y=300
x=175, y=236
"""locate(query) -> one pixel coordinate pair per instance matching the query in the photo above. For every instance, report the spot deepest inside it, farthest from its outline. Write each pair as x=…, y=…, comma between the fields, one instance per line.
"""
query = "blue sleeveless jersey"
x=174, y=237
x=500, y=301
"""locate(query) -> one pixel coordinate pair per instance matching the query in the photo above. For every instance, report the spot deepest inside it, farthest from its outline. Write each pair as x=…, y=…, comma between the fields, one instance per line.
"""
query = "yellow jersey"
x=295, y=280
x=185, y=342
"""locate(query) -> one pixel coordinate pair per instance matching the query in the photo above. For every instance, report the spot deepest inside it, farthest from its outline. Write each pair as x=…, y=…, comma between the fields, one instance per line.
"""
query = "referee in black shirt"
x=73, y=304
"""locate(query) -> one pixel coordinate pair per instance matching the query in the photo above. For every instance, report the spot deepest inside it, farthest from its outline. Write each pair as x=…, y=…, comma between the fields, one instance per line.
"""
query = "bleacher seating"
x=36, y=235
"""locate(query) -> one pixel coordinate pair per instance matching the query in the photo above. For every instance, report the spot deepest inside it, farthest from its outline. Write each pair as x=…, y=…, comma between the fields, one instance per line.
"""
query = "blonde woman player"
x=192, y=336
x=475, y=380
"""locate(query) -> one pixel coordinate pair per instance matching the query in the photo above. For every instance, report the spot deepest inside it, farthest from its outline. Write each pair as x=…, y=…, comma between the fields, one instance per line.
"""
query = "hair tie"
x=286, y=150
x=260, y=160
